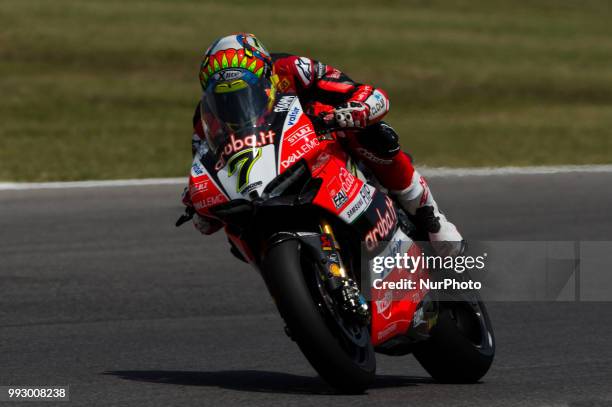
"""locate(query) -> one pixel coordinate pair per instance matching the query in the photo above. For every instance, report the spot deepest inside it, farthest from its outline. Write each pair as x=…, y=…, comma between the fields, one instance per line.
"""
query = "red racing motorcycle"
x=298, y=208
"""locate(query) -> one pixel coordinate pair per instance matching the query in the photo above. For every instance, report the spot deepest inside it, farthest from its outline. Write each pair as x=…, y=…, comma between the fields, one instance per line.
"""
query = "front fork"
x=344, y=289
x=334, y=277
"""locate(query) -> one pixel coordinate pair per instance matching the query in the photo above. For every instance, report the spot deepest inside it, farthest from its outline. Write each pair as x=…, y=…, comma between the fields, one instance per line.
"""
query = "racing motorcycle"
x=309, y=218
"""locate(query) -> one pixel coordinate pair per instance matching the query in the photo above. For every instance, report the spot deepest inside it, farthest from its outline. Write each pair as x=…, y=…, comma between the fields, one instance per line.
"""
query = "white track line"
x=12, y=186
x=494, y=171
x=427, y=171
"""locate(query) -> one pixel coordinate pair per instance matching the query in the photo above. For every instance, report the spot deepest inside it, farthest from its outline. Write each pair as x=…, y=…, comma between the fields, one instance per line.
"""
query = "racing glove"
x=352, y=115
x=206, y=225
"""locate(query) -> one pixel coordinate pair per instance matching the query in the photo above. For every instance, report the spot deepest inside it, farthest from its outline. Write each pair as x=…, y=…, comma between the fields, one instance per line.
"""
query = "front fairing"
x=247, y=163
x=246, y=172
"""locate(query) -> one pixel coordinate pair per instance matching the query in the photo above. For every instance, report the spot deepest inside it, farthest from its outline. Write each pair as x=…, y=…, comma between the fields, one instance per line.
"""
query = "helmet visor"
x=233, y=107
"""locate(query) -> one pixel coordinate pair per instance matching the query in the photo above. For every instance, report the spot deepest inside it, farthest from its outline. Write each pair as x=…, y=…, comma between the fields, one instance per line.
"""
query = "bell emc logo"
x=209, y=201
x=383, y=227
x=300, y=152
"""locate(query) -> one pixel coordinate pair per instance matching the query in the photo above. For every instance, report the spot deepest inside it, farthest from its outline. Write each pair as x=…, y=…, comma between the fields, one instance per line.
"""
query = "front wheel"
x=342, y=355
x=462, y=345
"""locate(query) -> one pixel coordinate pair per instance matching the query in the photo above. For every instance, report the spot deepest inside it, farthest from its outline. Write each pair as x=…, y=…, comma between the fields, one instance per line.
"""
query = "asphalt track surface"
x=99, y=291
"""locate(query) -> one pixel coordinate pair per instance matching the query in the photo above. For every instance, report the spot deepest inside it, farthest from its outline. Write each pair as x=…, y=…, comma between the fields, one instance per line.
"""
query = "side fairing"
x=354, y=201
x=299, y=139
x=372, y=215
x=204, y=189
x=393, y=312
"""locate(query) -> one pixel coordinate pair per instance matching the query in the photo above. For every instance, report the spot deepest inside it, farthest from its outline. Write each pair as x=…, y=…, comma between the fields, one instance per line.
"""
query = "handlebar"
x=185, y=217
x=323, y=126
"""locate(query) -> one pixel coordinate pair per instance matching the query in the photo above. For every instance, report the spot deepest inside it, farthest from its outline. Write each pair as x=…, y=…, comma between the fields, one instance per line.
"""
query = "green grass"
x=106, y=88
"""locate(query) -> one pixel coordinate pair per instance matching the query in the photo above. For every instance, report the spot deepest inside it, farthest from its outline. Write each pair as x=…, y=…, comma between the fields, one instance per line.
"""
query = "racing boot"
x=418, y=202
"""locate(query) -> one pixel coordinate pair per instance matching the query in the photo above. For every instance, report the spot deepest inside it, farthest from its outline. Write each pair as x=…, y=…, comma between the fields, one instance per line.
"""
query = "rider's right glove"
x=352, y=115
x=206, y=225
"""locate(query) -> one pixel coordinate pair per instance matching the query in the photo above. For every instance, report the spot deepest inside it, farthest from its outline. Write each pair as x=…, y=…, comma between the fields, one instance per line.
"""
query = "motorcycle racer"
x=329, y=93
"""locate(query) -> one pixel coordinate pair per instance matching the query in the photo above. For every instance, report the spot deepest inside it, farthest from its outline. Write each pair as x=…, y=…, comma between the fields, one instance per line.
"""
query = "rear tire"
x=344, y=365
x=461, y=347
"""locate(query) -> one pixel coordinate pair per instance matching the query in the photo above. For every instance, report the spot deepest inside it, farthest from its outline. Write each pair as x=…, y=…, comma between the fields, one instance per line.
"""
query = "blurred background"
x=102, y=89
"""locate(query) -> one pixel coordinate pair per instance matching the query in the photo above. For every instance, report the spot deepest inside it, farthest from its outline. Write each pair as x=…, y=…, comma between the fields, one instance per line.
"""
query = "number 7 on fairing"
x=243, y=163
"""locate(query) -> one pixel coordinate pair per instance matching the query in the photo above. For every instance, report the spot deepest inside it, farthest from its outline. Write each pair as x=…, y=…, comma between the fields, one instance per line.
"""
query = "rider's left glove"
x=352, y=115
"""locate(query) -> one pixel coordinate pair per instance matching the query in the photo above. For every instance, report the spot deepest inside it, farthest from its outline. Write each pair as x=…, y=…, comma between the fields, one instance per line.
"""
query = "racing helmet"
x=235, y=78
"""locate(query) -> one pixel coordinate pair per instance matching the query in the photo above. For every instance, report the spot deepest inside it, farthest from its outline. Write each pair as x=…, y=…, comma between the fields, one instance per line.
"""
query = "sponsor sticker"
x=348, y=180
x=284, y=103
x=390, y=329
x=363, y=93
x=235, y=145
x=299, y=134
x=385, y=224
x=321, y=68
x=358, y=205
x=197, y=169
x=293, y=115
x=199, y=187
x=208, y=202
x=300, y=152
x=228, y=75
x=251, y=187
x=284, y=85
x=377, y=103
x=340, y=199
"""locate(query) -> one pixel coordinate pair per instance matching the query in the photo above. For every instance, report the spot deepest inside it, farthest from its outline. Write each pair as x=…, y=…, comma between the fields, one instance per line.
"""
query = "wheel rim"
x=354, y=339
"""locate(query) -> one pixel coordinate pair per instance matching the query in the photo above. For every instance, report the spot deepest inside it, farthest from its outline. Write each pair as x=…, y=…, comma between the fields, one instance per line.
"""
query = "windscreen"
x=233, y=108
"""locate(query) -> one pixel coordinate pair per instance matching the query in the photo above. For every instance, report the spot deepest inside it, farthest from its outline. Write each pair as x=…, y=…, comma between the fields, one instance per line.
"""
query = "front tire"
x=346, y=366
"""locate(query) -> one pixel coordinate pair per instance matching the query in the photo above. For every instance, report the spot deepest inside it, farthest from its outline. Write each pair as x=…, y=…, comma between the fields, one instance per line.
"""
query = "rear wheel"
x=340, y=352
x=462, y=346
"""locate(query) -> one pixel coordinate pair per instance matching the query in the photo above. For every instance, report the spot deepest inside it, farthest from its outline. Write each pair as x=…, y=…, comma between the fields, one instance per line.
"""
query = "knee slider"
x=380, y=139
